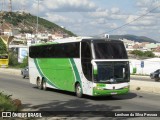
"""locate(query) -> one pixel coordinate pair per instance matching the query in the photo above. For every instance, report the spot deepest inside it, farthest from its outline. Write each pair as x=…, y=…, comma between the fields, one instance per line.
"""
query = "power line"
x=128, y=22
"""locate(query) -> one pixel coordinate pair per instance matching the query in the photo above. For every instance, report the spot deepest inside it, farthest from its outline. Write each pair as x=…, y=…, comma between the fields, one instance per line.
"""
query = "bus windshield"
x=112, y=72
x=110, y=50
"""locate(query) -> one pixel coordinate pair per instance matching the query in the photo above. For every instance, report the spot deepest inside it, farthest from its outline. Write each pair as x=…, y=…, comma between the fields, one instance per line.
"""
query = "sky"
x=96, y=17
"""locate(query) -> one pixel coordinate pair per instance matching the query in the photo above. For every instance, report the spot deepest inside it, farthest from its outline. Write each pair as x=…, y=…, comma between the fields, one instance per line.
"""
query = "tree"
x=3, y=47
x=137, y=52
x=13, y=61
x=149, y=54
x=25, y=62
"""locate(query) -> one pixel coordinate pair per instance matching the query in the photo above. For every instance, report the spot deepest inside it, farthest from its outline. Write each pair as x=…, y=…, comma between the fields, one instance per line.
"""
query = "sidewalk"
x=140, y=76
x=145, y=86
x=10, y=71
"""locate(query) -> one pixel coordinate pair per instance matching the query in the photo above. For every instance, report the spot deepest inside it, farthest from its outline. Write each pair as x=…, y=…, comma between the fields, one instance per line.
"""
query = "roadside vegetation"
x=13, y=61
x=7, y=104
x=139, y=53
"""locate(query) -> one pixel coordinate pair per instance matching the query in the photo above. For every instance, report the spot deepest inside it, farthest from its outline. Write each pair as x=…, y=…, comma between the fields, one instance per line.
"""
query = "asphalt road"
x=53, y=100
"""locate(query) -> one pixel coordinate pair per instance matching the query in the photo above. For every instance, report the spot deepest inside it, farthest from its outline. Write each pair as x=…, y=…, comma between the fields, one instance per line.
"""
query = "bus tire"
x=39, y=84
x=78, y=90
x=44, y=85
x=24, y=77
x=110, y=96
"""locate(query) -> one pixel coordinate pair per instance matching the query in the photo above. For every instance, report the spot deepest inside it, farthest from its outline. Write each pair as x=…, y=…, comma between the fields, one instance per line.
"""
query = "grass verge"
x=6, y=103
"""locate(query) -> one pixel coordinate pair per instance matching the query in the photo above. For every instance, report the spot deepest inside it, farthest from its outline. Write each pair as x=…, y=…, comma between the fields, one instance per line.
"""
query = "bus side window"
x=86, y=58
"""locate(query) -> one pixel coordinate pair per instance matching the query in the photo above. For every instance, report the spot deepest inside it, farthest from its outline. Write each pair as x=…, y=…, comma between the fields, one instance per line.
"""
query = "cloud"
x=56, y=5
x=145, y=21
x=20, y=4
x=34, y=9
x=113, y=14
x=152, y=6
x=70, y=5
x=121, y=32
x=142, y=3
x=57, y=18
x=20, y=1
x=100, y=21
x=99, y=14
x=118, y=17
x=115, y=10
x=112, y=25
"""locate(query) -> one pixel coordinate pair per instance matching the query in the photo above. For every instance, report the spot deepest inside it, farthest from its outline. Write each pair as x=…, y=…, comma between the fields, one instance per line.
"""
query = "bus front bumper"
x=104, y=92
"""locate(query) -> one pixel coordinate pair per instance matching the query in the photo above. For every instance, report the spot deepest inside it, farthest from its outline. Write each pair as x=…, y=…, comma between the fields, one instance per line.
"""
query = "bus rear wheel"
x=39, y=84
x=79, y=91
x=44, y=85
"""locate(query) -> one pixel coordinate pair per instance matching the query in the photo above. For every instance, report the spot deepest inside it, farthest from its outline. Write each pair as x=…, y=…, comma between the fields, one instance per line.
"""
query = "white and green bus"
x=94, y=67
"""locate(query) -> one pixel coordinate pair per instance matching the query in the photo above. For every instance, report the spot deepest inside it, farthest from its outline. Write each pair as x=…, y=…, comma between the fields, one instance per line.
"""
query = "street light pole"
x=37, y=18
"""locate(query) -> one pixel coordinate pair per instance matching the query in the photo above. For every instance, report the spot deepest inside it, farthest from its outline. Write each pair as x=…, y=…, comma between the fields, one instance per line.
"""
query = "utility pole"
x=1, y=16
x=37, y=18
x=10, y=6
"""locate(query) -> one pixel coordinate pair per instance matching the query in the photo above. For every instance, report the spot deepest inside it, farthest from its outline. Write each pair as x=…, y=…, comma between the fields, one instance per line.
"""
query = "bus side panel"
x=33, y=71
x=60, y=74
x=57, y=72
x=87, y=86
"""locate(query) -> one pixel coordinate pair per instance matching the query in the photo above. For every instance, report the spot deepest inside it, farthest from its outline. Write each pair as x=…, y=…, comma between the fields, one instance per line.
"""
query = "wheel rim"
x=44, y=85
x=79, y=92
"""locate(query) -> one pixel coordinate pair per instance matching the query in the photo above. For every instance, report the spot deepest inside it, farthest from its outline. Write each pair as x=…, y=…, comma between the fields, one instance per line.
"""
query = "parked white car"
x=25, y=72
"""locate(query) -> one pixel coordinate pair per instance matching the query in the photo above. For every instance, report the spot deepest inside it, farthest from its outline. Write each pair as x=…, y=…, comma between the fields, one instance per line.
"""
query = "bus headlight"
x=98, y=88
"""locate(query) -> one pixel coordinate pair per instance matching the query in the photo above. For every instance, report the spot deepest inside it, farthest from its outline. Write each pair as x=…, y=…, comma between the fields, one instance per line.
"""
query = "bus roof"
x=73, y=39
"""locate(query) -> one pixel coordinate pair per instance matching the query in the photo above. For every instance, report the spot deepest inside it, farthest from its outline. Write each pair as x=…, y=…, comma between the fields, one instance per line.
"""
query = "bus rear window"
x=110, y=50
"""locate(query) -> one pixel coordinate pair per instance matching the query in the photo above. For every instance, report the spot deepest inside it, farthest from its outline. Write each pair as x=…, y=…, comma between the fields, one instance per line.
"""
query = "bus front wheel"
x=39, y=84
x=79, y=91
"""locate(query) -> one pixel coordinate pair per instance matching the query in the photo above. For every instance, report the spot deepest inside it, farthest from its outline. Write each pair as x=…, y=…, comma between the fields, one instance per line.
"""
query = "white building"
x=150, y=65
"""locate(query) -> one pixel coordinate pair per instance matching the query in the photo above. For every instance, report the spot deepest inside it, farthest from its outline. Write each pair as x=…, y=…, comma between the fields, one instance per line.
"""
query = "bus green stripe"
x=75, y=70
x=42, y=75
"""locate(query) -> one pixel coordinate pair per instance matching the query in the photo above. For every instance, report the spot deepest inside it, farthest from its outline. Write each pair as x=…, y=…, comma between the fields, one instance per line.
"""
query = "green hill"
x=133, y=38
x=26, y=22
